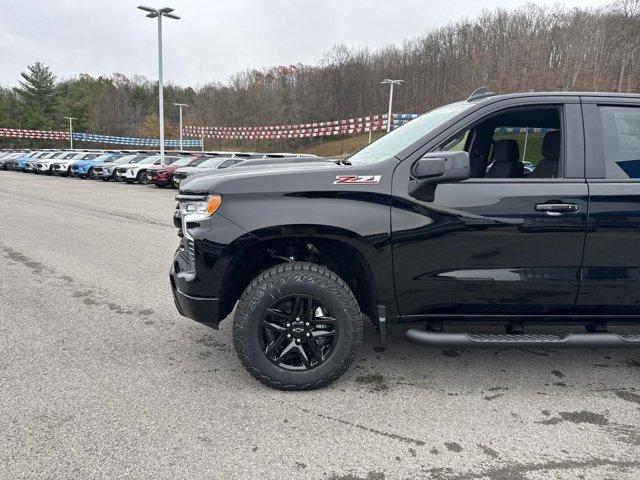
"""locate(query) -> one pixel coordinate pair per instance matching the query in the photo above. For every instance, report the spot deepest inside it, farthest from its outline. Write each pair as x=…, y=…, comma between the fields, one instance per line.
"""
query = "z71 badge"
x=357, y=179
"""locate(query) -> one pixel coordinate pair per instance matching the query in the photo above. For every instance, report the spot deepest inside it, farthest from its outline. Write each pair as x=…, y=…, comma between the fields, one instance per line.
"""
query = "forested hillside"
x=526, y=49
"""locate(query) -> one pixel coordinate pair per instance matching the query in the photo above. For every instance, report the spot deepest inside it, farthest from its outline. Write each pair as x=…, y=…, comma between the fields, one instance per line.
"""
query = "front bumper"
x=201, y=264
x=60, y=169
x=201, y=309
x=79, y=171
x=102, y=172
x=161, y=179
x=125, y=174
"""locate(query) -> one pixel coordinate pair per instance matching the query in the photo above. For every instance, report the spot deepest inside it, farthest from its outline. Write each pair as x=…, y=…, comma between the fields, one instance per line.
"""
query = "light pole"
x=71, y=119
x=159, y=13
x=391, y=83
x=180, y=105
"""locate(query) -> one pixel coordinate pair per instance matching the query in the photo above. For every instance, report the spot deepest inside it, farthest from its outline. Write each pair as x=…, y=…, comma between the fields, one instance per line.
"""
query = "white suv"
x=62, y=166
x=138, y=171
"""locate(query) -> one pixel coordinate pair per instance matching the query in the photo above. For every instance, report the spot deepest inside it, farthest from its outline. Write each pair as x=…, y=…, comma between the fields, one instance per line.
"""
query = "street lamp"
x=391, y=83
x=71, y=119
x=180, y=105
x=159, y=13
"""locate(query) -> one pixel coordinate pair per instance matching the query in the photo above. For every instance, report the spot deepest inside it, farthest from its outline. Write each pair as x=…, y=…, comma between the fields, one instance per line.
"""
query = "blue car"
x=84, y=168
x=20, y=163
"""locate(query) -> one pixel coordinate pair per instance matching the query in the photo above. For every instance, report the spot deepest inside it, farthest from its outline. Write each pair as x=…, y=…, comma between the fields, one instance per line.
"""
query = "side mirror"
x=442, y=167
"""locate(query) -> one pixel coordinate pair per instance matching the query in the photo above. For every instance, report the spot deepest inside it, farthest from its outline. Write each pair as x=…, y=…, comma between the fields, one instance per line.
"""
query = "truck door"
x=507, y=241
x=611, y=273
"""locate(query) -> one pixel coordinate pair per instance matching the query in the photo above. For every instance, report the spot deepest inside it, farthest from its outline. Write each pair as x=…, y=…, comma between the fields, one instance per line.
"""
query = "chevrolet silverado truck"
x=436, y=224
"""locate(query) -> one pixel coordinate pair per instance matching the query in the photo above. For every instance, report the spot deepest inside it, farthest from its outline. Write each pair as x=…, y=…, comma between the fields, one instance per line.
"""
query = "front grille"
x=181, y=176
x=97, y=170
x=191, y=250
x=121, y=170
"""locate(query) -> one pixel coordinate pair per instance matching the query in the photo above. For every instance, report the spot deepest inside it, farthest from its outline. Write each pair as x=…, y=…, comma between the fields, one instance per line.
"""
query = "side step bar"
x=576, y=340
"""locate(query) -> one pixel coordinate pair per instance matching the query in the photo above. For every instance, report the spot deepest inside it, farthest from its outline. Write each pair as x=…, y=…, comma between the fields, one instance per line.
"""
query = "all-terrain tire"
x=297, y=278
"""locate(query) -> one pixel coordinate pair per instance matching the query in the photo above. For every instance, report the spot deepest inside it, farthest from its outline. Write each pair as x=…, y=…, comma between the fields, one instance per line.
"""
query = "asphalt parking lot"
x=101, y=378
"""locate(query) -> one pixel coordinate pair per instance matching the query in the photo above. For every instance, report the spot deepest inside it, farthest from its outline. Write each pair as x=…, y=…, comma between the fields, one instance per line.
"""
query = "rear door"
x=611, y=272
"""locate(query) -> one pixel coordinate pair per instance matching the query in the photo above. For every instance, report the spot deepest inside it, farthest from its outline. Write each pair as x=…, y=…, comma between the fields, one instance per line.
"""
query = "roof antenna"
x=479, y=93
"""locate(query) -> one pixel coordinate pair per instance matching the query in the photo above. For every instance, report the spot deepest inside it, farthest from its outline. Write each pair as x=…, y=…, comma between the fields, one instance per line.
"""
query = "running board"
x=576, y=340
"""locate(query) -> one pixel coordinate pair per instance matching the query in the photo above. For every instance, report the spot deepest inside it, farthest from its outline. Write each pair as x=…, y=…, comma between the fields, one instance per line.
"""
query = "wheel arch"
x=347, y=254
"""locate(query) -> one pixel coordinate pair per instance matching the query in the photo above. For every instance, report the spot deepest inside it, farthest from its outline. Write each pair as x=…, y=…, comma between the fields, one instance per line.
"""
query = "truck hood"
x=210, y=180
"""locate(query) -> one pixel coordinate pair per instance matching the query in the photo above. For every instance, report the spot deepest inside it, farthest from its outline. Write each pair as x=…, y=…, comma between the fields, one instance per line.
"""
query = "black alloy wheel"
x=297, y=326
x=143, y=178
x=298, y=332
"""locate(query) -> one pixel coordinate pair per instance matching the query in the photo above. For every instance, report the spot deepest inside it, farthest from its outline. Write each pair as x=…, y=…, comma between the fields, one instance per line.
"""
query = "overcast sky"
x=214, y=38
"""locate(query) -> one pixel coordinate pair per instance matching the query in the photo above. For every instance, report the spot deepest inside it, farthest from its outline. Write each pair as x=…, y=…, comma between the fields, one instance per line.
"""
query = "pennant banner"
x=44, y=134
x=351, y=126
x=89, y=137
x=137, y=141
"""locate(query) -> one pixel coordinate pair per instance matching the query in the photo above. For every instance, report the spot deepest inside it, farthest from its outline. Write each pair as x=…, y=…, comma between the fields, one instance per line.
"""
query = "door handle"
x=556, y=209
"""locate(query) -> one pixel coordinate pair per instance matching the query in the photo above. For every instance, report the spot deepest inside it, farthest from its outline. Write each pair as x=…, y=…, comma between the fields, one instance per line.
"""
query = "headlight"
x=195, y=208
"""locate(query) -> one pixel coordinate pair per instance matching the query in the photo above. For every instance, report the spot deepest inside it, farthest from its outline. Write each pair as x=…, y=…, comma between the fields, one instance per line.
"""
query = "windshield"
x=211, y=163
x=112, y=158
x=399, y=139
x=170, y=160
x=138, y=159
x=199, y=161
x=182, y=162
x=150, y=159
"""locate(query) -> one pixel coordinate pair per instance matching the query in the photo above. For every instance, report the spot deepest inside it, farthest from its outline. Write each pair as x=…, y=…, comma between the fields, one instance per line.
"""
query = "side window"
x=528, y=142
x=456, y=144
x=621, y=141
x=519, y=143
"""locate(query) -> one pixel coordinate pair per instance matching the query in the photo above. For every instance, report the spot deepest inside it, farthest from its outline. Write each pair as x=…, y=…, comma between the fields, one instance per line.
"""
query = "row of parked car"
x=138, y=166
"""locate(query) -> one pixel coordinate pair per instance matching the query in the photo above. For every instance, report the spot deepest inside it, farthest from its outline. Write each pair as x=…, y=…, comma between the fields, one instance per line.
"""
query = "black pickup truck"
x=502, y=209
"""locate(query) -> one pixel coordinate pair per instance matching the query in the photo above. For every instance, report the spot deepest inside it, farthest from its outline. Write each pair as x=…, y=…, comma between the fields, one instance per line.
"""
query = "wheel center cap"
x=297, y=328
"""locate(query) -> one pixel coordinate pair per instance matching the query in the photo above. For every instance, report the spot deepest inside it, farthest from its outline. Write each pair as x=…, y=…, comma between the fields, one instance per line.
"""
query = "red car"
x=161, y=175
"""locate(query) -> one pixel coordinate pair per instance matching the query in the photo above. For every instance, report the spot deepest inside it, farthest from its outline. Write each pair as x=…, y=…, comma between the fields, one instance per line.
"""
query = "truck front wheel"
x=297, y=327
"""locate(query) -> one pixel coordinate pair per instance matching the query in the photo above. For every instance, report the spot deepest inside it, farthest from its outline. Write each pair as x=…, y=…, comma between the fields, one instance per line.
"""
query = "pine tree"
x=38, y=94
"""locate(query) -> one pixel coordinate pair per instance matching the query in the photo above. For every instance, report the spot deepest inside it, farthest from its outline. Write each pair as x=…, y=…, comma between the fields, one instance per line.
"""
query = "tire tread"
x=327, y=279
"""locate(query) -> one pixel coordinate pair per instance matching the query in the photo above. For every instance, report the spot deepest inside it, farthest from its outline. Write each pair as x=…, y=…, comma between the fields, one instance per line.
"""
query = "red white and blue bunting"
x=351, y=126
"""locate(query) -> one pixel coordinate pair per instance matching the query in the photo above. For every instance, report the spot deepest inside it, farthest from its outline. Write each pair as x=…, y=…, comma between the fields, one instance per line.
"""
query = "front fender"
x=360, y=219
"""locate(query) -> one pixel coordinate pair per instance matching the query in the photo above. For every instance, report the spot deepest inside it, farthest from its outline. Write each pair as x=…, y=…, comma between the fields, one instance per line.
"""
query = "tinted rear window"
x=621, y=141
